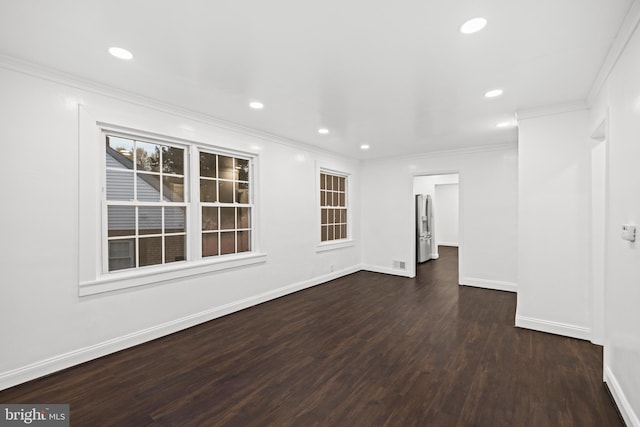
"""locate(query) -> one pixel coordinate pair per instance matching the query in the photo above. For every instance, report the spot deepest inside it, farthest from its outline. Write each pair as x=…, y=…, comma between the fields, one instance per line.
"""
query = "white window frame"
x=329, y=245
x=92, y=276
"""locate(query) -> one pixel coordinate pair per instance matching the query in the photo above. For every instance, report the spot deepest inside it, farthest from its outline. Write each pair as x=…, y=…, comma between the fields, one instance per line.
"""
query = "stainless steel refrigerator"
x=424, y=227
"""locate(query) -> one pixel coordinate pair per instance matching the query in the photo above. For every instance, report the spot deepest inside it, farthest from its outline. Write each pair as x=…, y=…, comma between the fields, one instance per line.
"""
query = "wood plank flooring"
x=364, y=350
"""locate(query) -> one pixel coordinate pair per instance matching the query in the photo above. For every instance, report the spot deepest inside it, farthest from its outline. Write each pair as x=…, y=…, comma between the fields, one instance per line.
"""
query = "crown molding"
x=551, y=110
x=76, y=82
x=619, y=44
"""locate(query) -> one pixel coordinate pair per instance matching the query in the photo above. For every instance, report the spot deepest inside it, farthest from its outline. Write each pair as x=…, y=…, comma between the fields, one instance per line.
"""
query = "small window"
x=333, y=207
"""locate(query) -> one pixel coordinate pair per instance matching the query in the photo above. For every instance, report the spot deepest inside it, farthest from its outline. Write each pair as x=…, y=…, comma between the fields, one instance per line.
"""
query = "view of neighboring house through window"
x=225, y=202
x=146, y=203
x=333, y=207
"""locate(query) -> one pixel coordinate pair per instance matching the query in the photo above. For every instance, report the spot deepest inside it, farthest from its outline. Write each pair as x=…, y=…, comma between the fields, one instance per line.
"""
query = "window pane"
x=148, y=187
x=174, y=249
x=208, y=191
x=227, y=242
x=209, y=244
x=173, y=160
x=226, y=192
x=323, y=181
x=343, y=231
x=149, y=220
x=341, y=182
x=243, y=217
x=336, y=184
x=150, y=251
x=324, y=233
x=323, y=216
x=331, y=235
x=342, y=200
x=323, y=198
x=208, y=165
x=242, y=192
x=227, y=218
x=244, y=241
x=242, y=166
x=121, y=254
x=336, y=199
x=344, y=216
x=209, y=218
x=174, y=219
x=119, y=153
x=329, y=182
x=121, y=221
x=225, y=167
x=147, y=156
x=173, y=189
x=119, y=185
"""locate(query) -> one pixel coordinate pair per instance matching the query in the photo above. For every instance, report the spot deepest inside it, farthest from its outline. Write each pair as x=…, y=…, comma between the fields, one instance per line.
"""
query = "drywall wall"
x=488, y=211
x=44, y=324
x=619, y=105
x=554, y=228
x=448, y=214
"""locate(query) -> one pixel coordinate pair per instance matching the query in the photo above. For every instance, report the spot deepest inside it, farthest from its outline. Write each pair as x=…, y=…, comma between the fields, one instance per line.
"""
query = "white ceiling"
x=397, y=75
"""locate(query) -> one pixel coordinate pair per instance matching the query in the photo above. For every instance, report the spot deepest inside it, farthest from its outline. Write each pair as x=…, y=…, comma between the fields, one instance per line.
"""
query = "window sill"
x=129, y=279
x=330, y=246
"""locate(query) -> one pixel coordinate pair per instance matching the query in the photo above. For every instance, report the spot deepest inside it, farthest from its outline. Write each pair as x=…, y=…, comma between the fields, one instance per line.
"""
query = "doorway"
x=443, y=192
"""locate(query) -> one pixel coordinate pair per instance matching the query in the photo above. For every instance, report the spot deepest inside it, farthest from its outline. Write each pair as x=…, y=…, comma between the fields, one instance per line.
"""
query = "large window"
x=333, y=207
x=151, y=199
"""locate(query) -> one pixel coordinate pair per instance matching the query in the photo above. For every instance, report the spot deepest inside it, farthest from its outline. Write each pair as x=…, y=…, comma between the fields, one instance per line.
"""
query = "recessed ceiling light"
x=120, y=53
x=256, y=105
x=323, y=131
x=503, y=124
x=493, y=93
x=364, y=147
x=473, y=25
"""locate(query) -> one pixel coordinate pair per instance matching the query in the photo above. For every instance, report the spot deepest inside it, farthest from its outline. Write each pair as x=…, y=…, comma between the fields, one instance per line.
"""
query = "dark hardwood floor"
x=364, y=350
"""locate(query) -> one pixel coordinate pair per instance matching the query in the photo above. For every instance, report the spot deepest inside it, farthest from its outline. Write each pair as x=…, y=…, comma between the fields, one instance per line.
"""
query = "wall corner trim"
x=496, y=285
x=624, y=406
x=552, y=327
x=551, y=110
x=75, y=357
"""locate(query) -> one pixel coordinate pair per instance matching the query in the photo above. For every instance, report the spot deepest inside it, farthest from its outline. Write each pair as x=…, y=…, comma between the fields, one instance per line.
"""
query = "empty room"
x=336, y=213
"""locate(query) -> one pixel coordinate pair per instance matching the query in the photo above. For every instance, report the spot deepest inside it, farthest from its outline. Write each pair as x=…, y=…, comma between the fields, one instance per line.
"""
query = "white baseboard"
x=489, y=284
x=551, y=327
x=82, y=355
x=435, y=256
x=386, y=270
x=627, y=412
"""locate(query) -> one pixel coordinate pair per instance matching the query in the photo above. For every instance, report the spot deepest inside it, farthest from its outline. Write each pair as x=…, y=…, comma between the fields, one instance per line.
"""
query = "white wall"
x=554, y=228
x=488, y=210
x=445, y=214
x=44, y=325
x=619, y=100
x=448, y=214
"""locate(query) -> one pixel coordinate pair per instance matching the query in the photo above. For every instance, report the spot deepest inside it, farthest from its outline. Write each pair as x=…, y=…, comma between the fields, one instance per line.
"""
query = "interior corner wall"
x=619, y=103
x=488, y=213
x=553, y=224
x=45, y=326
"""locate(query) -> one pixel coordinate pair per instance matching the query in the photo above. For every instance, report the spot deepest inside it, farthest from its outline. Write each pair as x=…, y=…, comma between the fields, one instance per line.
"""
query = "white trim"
x=551, y=327
x=454, y=244
x=496, y=285
x=551, y=110
x=626, y=31
x=435, y=255
x=387, y=270
x=82, y=355
x=456, y=151
x=624, y=406
x=166, y=272
x=335, y=244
